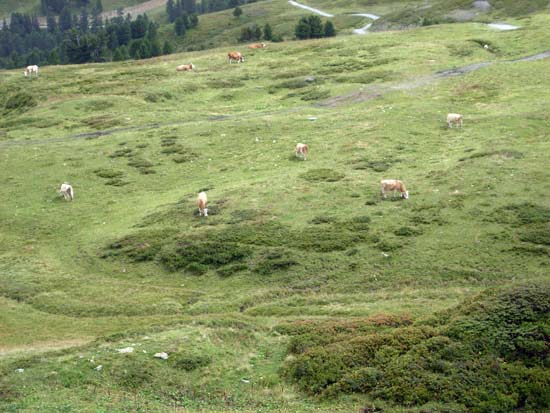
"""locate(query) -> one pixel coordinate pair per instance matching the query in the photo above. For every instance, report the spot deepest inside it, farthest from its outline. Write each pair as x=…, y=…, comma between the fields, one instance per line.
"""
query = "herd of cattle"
x=301, y=150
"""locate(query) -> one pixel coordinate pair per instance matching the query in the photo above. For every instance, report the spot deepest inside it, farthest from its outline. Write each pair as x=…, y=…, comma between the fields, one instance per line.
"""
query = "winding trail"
x=368, y=93
x=361, y=30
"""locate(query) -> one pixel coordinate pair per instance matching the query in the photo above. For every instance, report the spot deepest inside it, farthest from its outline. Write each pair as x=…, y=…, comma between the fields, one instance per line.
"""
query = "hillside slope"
x=288, y=242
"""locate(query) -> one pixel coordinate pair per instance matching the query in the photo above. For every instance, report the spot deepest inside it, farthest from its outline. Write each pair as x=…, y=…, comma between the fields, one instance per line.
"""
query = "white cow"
x=201, y=202
x=455, y=118
x=67, y=191
x=29, y=70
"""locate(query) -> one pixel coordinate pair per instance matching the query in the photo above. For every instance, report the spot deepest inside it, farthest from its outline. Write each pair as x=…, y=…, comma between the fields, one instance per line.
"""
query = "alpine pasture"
x=302, y=290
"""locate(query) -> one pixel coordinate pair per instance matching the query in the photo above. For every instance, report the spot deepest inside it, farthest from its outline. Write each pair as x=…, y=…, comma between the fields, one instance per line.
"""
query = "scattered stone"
x=312, y=118
x=162, y=355
x=126, y=350
x=482, y=5
x=310, y=79
x=385, y=255
x=20, y=370
x=245, y=381
x=99, y=368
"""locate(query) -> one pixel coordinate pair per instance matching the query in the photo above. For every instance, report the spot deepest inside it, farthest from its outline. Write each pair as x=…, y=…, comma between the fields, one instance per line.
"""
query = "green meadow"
x=303, y=290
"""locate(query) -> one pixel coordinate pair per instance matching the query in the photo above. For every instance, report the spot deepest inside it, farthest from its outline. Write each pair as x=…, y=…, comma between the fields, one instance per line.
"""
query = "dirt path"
x=361, y=30
x=368, y=93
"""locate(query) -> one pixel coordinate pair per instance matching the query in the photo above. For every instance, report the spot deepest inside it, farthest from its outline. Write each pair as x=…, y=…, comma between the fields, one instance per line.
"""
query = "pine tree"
x=170, y=11
x=193, y=20
x=179, y=27
x=237, y=12
x=167, y=48
x=156, y=50
x=329, y=29
x=268, y=32
x=98, y=8
x=302, y=29
x=315, y=27
x=65, y=20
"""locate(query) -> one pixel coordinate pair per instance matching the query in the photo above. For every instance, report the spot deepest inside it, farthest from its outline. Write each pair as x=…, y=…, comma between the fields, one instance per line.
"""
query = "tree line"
x=78, y=38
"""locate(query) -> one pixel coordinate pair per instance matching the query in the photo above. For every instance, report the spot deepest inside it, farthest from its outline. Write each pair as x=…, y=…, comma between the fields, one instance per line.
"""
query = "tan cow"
x=455, y=118
x=67, y=191
x=201, y=202
x=235, y=56
x=257, y=46
x=387, y=185
x=185, y=68
x=302, y=149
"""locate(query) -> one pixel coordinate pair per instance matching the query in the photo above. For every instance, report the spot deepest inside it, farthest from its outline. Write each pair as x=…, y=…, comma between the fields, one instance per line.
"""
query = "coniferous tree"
x=193, y=20
x=315, y=27
x=329, y=30
x=268, y=32
x=179, y=26
x=167, y=47
x=302, y=29
x=237, y=12
x=65, y=20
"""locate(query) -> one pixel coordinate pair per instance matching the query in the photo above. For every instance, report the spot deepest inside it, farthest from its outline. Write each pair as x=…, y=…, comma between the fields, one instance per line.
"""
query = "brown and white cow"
x=29, y=70
x=455, y=118
x=302, y=150
x=257, y=46
x=201, y=202
x=235, y=56
x=185, y=68
x=67, y=191
x=388, y=185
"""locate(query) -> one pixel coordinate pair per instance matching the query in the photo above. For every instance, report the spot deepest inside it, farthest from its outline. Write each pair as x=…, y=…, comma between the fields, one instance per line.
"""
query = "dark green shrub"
x=20, y=101
x=189, y=362
x=206, y=253
x=121, y=153
x=273, y=261
x=322, y=219
x=196, y=269
x=134, y=373
x=231, y=269
x=108, y=173
x=322, y=175
x=407, y=232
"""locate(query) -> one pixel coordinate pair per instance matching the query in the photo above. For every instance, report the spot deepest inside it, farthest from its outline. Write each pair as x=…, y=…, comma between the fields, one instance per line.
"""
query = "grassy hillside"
x=288, y=242
x=33, y=6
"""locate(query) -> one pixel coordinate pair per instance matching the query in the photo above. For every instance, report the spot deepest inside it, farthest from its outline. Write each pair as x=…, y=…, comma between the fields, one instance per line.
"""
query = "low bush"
x=322, y=175
x=231, y=270
x=275, y=260
x=189, y=362
x=20, y=101
x=108, y=173
x=489, y=354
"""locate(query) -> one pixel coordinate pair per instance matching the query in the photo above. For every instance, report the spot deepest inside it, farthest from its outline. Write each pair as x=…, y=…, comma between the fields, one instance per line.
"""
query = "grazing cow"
x=185, y=68
x=29, y=70
x=454, y=118
x=67, y=191
x=257, y=46
x=201, y=202
x=302, y=149
x=236, y=56
x=387, y=185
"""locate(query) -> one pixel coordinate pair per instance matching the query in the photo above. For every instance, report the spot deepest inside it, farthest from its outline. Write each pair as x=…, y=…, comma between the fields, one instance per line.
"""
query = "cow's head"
x=242, y=59
x=192, y=66
x=405, y=195
x=25, y=72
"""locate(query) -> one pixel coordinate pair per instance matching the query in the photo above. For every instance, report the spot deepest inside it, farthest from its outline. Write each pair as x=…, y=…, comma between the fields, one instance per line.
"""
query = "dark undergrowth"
x=490, y=354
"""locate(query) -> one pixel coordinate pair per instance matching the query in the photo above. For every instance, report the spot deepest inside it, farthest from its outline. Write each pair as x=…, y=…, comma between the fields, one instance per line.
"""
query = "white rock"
x=98, y=368
x=20, y=370
x=245, y=381
x=162, y=355
x=385, y=255
x=126, y=350
x=312, y=118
